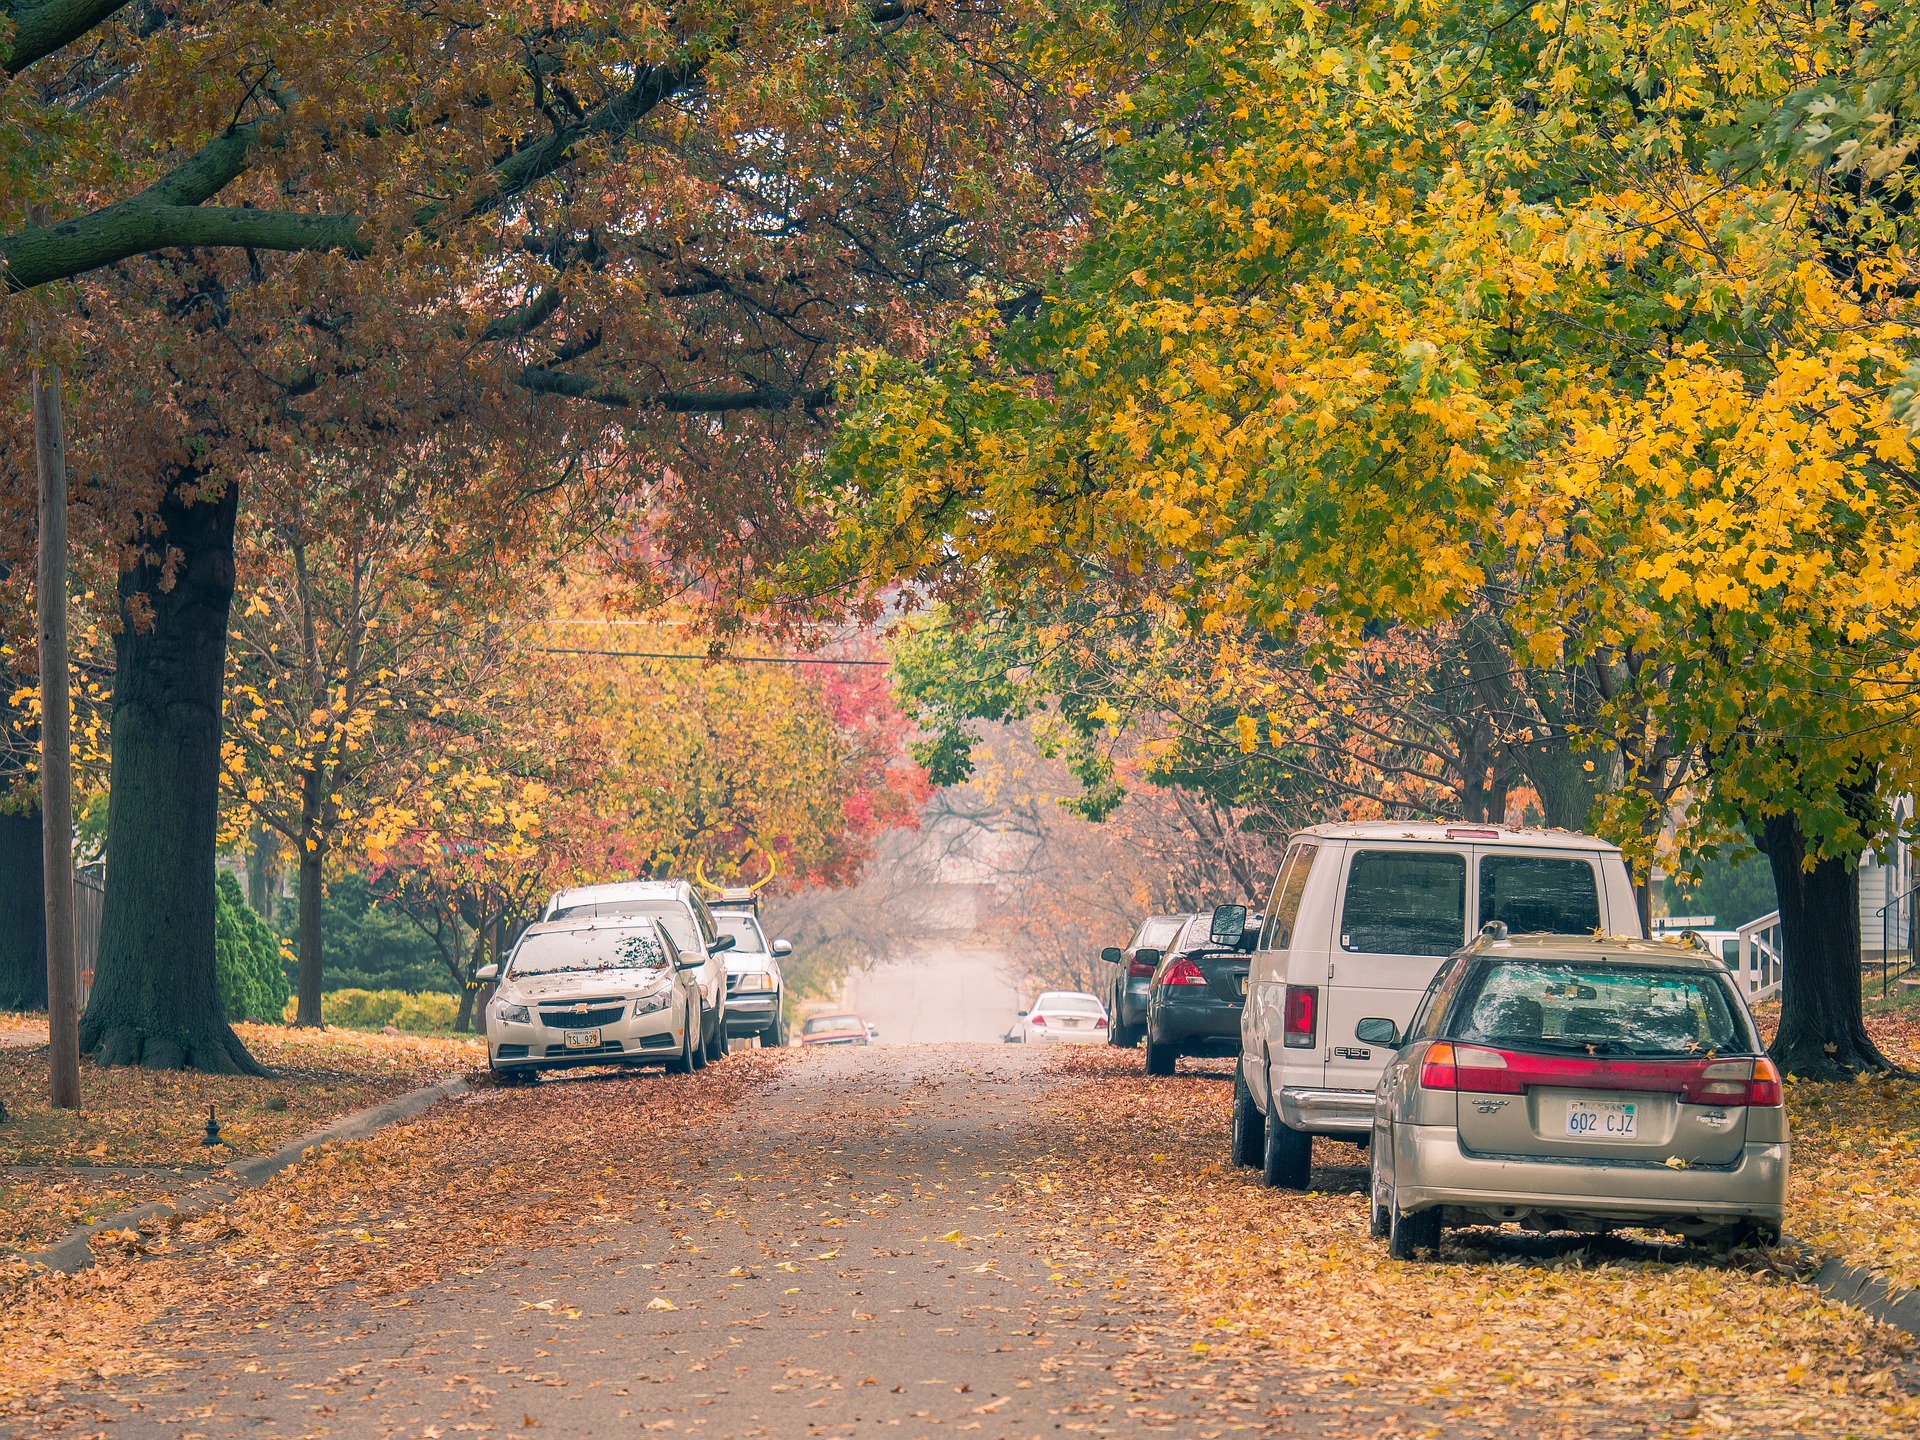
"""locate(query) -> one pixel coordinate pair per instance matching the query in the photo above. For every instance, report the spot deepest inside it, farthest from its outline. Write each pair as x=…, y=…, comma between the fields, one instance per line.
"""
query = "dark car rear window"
x=1405, y=902
x=1599, y=1009
x=1538, y=895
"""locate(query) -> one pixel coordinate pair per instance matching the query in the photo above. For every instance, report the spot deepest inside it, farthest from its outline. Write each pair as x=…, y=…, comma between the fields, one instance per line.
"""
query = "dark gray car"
x=1127, y=1000
x=1196, y=993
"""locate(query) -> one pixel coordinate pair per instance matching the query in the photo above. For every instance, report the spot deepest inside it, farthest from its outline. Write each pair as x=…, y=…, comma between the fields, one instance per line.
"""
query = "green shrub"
x=417, y=1014
x=246, y=957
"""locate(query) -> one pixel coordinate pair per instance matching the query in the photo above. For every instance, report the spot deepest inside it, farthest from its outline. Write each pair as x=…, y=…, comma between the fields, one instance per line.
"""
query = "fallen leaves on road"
x=479, y=1172
x=1856, y=1178
x=1629, y=1332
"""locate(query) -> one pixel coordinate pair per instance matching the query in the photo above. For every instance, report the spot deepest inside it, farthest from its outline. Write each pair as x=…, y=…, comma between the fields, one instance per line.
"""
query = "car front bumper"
x=632, y=1039
x=751, y=1012
x=1430, y=1168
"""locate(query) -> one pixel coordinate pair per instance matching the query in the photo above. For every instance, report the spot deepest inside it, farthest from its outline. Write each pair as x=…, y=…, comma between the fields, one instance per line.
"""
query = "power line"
x=725, y=659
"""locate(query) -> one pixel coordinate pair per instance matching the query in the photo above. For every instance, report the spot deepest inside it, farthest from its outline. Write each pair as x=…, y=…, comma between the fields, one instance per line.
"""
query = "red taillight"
x=1299, y=1013
x=1183, y=972
x=1481, y=1070
x=1039, y=1019
x=1101, y=1023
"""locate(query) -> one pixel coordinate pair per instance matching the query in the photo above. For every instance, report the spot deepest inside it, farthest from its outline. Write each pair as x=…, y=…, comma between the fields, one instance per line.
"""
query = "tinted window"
x=1599, y=1009
x=745, y=930
x=1283, y=911
x=1405, y=902
x=1533, y=894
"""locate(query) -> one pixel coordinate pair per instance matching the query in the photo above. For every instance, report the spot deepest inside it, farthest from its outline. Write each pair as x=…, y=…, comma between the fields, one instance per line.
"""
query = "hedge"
x=416, y=1013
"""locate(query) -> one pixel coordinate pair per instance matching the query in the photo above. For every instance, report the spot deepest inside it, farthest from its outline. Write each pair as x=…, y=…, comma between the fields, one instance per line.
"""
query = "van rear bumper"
x=1327, y=1112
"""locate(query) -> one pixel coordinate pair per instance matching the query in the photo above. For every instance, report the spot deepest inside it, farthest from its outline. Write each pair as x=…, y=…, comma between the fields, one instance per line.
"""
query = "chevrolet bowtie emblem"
x=580, y=1009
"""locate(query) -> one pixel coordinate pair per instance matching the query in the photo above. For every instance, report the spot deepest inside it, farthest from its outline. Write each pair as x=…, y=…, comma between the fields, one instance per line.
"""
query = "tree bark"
x=154, y=1001
x=313, y=883
x=23, y=931
x=262, y=870
x=1822, y=1034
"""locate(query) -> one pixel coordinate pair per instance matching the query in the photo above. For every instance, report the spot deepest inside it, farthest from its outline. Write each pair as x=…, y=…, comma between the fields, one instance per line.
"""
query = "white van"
x=1362, y=915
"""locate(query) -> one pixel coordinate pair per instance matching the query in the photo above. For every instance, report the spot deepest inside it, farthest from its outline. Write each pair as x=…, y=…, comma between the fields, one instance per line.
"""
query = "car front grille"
x=604, y=1047
x=573, y=1020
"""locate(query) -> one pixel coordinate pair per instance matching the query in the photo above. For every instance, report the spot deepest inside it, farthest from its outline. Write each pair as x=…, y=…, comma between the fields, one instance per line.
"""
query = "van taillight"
x=1298, y=1017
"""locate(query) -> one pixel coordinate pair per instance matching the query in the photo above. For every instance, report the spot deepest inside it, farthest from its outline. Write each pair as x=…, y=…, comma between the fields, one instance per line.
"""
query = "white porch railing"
x=1757, y=971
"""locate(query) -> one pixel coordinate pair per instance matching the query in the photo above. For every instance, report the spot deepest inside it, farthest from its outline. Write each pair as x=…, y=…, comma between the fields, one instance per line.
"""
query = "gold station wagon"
x=1578, y=1084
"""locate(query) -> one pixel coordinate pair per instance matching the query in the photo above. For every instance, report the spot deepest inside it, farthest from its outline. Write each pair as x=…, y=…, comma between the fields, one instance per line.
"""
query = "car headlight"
x=512, y=1014
x=753, y=980
x=652, y=1001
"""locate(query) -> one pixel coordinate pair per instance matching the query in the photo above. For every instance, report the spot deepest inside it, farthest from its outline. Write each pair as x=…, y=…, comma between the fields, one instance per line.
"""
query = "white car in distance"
x=593, y=992
x=1070, y=1017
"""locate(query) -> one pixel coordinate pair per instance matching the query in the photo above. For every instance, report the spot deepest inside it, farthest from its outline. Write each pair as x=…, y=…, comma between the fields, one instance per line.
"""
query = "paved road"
x=861, y=1273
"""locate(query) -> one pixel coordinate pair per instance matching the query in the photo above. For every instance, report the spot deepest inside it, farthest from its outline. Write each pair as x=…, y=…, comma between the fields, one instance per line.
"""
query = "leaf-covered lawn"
x=1856, y=1176
x=137, y=1134
x=1660, y=1340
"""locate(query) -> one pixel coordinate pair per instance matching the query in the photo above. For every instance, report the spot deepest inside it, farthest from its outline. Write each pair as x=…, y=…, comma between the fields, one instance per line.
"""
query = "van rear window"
x=1533, y=894
x=1405, y=902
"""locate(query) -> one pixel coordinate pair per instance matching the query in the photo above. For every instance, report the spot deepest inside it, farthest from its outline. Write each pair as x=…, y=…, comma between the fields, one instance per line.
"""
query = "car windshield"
x=832, y=1024
x=669, y=913
x=1067, y=1000
x=745, y=930
x=568, y=950
x=1600, y=1009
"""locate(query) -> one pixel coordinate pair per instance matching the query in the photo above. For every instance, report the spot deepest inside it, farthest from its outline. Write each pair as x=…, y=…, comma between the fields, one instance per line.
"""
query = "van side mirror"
x=1377, y=1031
x=487, y=972
x=1111, y=955
x=783, y=947
x=1229, y=924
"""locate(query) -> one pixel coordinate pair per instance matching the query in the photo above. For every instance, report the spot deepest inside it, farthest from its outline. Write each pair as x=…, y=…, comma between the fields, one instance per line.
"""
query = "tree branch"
x=39, y=30
x=680, y=402
x=41, y=254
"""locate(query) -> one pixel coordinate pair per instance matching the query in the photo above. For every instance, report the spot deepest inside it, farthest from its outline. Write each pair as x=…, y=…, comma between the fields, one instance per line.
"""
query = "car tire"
x=1408, y=1236
x=1286, y=1160
x=1749, y=1235
x=776, y=1033
x=1118, y=1035
x=1379, y=1220
x=1161, y=1059
x=682, y=1064
x=1249, y=1125
x=717, y=1047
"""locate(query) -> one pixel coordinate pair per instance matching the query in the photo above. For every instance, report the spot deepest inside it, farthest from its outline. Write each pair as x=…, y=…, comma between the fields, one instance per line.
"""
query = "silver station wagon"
x=1578, y=1084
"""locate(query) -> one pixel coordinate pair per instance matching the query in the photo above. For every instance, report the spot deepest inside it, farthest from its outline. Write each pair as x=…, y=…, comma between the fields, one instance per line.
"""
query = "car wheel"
x=717, y=1047
x=682, y=1064
x=1379, y=1221
x=1749, y=1235
x=700, y=1047
x=1118, y=1035
x=777, y=1032
x=1249, y=1125
x=1286, y=1161
x=1408, y=1236
x=1161, y=1059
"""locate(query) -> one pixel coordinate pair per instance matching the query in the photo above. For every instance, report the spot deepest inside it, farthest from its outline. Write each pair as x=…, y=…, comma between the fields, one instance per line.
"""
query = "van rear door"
x=1403, y=910
x=1541, y=891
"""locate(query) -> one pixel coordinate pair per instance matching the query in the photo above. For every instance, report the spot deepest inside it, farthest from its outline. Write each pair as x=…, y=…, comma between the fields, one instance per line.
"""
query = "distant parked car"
x=834, y=1030
x=1196, y=992
x=1361, y=917
x=616, y=991
x=1127, y=1002
x=1070, y=1017
x=687, y=919
x=755, y=984
x=1578, y=1084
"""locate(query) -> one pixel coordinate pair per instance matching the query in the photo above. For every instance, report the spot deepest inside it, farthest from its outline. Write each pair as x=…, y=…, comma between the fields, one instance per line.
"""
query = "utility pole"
x=56, y=738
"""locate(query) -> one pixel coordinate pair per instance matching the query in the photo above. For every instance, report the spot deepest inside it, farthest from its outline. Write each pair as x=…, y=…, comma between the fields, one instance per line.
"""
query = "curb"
x=72, y=1252
x=1866, y=1291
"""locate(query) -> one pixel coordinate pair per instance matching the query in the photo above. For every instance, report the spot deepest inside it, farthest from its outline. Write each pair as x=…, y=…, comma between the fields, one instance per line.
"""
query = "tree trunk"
x=154, y=1001
x=262, y=870
x=1821, y=1032
x=313, y=892
x=23, y=932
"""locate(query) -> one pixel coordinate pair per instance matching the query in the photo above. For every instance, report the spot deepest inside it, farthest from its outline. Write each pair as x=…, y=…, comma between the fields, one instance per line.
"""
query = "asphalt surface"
x=849, y=1260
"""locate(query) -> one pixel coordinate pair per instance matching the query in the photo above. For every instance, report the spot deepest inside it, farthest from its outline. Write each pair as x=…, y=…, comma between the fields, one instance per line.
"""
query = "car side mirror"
x=1022, y=1014
x=1112, y=955
x=1229, y=924
x=690, y=962
x=1377, y=1031
x=721, y=942
x=783, y=947
x=1148, y=956
x=487, y=972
